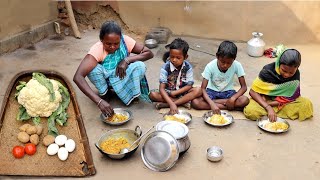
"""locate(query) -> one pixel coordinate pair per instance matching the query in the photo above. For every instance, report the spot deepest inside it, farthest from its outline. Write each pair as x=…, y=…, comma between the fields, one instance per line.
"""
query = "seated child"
x=276, y=91
x=176, y=79
x=217, y=84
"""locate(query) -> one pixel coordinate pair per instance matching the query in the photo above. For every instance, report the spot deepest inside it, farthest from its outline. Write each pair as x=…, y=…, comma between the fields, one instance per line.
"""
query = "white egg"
x=63, y=154
x=52, y=149
x=60, y=140
x=70, y=145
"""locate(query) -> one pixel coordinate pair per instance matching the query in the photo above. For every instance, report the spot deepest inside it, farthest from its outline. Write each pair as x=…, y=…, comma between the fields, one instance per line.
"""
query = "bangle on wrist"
x=99, y=102
x=126, y=60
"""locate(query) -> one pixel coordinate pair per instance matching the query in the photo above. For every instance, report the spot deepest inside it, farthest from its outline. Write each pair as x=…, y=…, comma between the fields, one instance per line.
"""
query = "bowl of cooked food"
x=112, y=142
x=183, y=117
x=214, y=153
x=279, y=126
x=119, y=117
x=218, y=120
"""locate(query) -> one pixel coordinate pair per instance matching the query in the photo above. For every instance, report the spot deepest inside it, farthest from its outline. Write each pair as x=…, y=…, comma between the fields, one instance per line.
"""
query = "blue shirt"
x=174, y=78
x=220, y=81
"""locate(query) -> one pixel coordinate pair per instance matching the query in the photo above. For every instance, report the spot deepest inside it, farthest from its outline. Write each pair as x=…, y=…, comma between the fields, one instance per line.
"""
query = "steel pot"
x=130, y=135
x=179, y=131
x=256, y=45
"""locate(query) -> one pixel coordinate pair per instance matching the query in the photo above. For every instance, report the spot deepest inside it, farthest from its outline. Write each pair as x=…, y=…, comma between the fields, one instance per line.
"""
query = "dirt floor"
x=249, y=153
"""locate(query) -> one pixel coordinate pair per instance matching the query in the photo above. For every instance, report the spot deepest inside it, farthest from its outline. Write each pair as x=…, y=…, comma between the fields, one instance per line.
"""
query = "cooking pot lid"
x=176, y=129
x=160, y=151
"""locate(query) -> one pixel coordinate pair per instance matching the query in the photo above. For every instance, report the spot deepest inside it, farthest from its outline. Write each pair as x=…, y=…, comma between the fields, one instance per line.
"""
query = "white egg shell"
x=70, y=145
x=63, y=154
x=60, y=140
x=52, y=149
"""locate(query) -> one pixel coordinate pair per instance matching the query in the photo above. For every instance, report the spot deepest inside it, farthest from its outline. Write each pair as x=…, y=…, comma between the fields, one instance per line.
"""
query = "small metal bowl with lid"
x=179, y=131
x=214, y=153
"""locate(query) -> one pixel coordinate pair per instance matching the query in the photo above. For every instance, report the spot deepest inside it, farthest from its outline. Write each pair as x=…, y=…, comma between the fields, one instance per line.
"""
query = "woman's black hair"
x=178, y=43
x=290, y=57
x=109, y=27
x=227, y=49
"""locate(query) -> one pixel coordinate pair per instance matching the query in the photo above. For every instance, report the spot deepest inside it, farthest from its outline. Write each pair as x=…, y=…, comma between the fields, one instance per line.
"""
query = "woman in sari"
x=276, y=92
x=109, y=66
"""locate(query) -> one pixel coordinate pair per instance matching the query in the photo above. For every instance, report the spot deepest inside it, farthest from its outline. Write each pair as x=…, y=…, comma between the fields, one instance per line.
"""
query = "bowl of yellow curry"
x=119, y=117
x=111, y=142
x=279, y=126
x=218, y=120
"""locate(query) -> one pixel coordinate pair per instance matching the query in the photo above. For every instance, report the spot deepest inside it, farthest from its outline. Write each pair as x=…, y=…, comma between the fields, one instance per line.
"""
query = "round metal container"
x=160, y=151
x=214, y=153
x=178, y=131
x=117, y=111
x=151, y=43
x=256, y=45
x=130, y=135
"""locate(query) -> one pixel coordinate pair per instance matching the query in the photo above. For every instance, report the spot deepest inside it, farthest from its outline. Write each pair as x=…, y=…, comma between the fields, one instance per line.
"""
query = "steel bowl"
x=125, y=112
x=225, y=114
x=188, y=116
x=214, y=153
x=130, y=135
x=262, y=122
x=151, y=43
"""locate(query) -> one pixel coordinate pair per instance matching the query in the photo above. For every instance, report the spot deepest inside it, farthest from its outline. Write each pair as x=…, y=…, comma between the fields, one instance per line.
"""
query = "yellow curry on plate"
x=117, y=118
x=217, y=119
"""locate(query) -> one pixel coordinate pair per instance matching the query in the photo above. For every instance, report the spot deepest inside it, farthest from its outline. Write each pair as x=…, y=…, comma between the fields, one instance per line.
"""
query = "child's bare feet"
x=161, y=105
x=187, y=105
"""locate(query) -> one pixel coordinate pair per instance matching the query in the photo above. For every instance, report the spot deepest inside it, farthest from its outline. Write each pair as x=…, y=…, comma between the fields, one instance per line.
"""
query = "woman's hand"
x=271, y=114
x=230, y=103
x=215, y=109
x=121, y=69
x=173, y=109
x=106, y=108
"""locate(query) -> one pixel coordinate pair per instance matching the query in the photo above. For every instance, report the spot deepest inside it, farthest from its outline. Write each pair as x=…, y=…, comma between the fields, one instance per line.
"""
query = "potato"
x=31, y=130
x=34, y=138
x=24, y=127
x=48, y=139
x=39, y=130
x=23, y=137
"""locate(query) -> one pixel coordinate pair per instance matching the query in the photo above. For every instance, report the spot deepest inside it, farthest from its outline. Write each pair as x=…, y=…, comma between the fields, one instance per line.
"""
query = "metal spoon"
x=125, y=150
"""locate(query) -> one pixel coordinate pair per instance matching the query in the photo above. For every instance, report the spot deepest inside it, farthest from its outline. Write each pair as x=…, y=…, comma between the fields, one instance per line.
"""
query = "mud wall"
x=280, y=21
x=17, y=16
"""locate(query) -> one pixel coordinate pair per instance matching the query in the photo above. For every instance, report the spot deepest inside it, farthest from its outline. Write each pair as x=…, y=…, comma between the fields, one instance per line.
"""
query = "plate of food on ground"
x=279, y=126
x=119, y=117
x=218, y=120
x=182, y=117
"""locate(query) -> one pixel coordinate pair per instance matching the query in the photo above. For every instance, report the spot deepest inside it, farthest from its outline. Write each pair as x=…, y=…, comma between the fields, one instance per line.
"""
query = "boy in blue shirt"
x=176, y=79
x=217, y=85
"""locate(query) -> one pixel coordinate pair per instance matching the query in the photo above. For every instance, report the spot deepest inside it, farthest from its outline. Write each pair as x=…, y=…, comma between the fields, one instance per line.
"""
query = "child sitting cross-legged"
x=217, y=85
x=176, y=79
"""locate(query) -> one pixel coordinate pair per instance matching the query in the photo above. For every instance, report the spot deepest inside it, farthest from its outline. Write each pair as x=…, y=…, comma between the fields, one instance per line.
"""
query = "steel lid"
x=160, y=151
x=176, y=129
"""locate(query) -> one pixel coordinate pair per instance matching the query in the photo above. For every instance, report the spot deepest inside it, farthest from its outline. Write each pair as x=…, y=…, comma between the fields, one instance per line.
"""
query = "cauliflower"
x=36, y=98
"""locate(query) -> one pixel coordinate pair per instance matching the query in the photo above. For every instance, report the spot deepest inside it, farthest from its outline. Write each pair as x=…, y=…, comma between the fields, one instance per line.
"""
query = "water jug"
x=256, y=45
